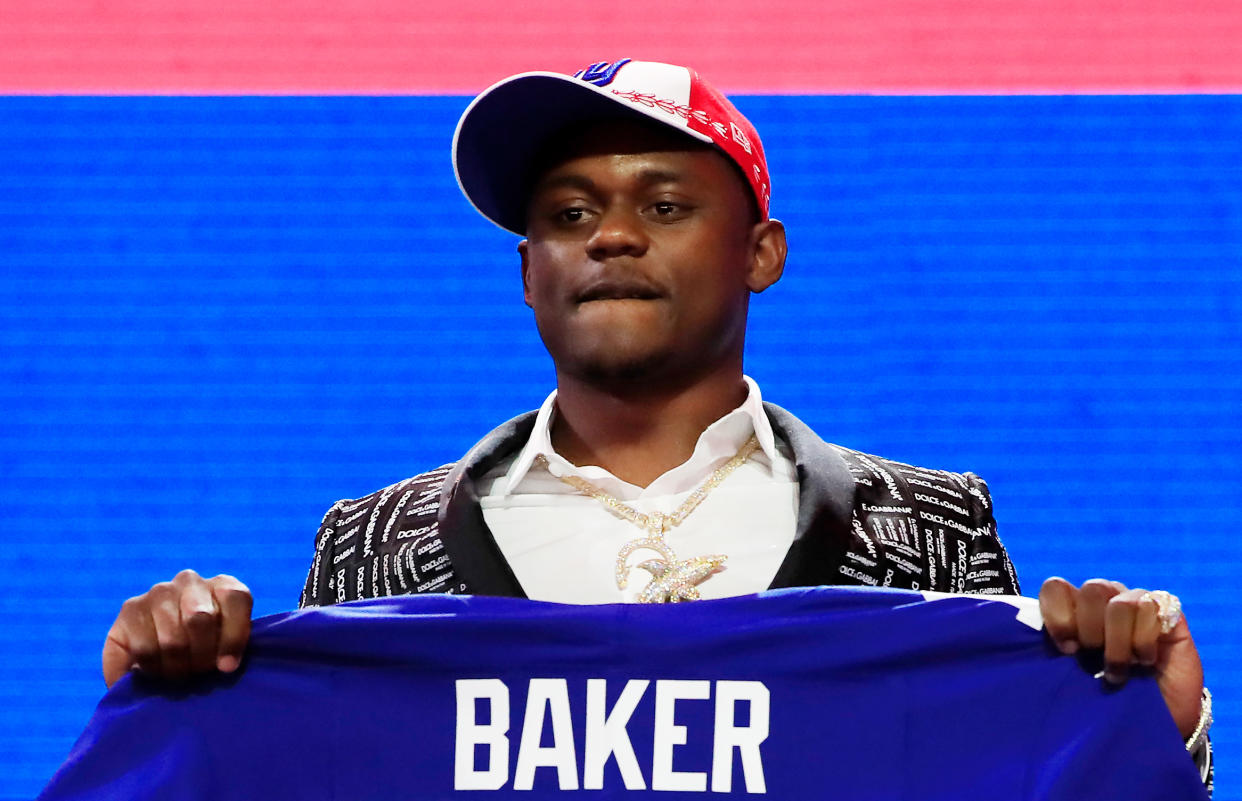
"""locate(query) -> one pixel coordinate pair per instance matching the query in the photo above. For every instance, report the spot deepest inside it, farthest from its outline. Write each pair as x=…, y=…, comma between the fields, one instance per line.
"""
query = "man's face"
x=640, y=256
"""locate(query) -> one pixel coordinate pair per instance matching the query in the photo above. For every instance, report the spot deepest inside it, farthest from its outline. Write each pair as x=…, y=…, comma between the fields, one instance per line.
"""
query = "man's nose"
x=619, y=233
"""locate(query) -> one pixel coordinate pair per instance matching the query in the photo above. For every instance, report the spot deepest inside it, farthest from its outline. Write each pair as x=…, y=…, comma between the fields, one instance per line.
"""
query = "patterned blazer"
x=861, y=520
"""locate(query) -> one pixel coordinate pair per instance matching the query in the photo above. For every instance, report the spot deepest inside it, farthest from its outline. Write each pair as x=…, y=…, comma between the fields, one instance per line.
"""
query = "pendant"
x=672, y=579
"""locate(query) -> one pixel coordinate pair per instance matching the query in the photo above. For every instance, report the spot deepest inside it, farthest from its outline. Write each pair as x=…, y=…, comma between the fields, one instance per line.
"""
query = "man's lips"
x=614, y=289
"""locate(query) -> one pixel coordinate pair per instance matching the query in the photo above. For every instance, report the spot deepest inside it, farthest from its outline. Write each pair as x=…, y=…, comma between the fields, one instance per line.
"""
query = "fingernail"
x=227, y=663
x=1113, y=677
x=1068, y=646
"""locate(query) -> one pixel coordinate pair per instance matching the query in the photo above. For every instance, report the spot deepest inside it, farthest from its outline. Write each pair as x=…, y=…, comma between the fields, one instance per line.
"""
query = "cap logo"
x=601, y=73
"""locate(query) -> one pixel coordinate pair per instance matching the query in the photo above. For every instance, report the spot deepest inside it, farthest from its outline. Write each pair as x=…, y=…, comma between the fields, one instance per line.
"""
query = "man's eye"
x=670, y=210
x=571, y=214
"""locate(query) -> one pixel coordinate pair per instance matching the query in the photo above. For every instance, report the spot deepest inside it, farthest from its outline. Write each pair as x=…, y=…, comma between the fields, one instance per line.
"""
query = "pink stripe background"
x=781, y=46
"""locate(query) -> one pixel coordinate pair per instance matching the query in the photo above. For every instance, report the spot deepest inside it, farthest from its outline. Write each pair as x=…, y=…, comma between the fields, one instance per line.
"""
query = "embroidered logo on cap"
x=601, y=73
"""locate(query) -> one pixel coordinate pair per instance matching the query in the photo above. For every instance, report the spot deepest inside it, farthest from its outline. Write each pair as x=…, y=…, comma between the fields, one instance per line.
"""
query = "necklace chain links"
x=673, y=579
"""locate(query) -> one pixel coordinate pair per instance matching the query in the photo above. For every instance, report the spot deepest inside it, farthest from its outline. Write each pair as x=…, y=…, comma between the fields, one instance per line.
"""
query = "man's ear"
x=767, y=260
x=522, y=248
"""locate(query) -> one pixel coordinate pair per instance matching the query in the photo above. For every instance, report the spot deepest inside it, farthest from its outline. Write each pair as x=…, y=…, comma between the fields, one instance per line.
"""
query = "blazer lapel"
x=825, y=505
x=477, y=560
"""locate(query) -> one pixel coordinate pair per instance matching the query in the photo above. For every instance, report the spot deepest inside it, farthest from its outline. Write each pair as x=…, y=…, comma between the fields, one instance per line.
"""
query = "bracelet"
x=1195, y=741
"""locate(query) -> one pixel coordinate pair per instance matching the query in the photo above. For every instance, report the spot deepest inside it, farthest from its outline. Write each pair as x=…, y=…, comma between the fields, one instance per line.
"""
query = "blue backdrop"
x=220, y=315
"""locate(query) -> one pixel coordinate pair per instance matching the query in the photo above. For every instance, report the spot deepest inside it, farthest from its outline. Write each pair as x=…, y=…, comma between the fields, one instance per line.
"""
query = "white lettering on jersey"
x=482, y=750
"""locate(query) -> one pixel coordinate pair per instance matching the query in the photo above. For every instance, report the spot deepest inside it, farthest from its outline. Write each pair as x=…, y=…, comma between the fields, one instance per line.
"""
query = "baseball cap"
x=500, y=133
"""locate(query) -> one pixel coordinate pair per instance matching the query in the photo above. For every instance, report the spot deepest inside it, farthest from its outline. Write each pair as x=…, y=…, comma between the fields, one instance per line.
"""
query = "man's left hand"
x=1126, y=625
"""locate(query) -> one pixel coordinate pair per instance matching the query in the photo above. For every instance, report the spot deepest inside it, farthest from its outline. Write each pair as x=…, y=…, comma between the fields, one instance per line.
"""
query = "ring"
x=1168, y=608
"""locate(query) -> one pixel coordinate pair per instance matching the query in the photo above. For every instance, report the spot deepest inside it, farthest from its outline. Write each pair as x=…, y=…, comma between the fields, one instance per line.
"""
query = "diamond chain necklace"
x=672, y=579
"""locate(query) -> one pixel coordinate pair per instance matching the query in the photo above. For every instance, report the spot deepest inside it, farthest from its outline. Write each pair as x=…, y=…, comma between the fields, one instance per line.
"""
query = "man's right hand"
x=181, y=627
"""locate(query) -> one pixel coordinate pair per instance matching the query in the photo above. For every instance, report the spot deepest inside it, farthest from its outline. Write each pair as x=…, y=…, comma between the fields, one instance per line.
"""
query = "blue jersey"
x=794, y=694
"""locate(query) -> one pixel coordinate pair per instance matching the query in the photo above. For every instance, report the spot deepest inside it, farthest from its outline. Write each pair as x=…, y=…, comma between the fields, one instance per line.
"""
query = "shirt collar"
x=726, y=435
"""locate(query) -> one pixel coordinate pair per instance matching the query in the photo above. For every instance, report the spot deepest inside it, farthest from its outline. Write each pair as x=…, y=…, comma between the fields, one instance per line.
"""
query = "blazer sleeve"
x=989, y=569
x=318, y=590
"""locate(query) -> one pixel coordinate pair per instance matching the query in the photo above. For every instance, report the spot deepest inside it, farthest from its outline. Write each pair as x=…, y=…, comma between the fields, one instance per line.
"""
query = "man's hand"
x=180, y=627
x=1125, y=624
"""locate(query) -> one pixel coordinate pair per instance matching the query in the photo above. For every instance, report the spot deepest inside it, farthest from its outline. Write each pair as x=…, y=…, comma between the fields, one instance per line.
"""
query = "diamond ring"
x=1168, y=608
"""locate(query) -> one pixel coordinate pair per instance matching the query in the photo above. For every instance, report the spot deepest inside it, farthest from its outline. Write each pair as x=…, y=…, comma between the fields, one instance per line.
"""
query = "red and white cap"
x=501, y=131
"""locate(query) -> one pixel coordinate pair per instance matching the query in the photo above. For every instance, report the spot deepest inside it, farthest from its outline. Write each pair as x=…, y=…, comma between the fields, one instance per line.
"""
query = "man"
x=654, y=472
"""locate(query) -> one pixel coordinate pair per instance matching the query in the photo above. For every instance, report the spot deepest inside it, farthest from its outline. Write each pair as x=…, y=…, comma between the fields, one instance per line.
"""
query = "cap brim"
x=501, y=131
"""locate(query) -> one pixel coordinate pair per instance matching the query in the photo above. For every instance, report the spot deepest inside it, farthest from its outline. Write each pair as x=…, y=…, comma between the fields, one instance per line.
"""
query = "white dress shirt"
x=562, y=545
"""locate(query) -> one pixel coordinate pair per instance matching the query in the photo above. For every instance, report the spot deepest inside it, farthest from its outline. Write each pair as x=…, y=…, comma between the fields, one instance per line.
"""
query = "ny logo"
x=601, y=73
